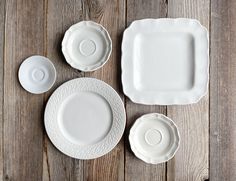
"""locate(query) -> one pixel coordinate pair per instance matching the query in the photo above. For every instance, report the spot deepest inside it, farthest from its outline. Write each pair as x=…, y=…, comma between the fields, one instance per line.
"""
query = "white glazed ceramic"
x=85, y=118
x=86, y=46
x=154, y=138
x=165, y=61
x=37, y=74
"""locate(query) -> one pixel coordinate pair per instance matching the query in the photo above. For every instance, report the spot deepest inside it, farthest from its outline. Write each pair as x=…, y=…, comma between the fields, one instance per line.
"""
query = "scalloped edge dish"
x=87, y=46
x=154, y=138
x=165, y=61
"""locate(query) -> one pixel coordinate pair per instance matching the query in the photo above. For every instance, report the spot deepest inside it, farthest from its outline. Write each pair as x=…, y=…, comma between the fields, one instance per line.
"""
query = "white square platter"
x=165, y=61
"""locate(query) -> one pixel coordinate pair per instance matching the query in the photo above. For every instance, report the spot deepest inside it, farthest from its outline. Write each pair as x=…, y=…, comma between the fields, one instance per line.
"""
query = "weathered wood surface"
x=223, y=91
x=30, y=27
x=60, y=15
x=191, y=161
x=134, y=168
x=111, y=14
x=22, y=112
x=2, y=32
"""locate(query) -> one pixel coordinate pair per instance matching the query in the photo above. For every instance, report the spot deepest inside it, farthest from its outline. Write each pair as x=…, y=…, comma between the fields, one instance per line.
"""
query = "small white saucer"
x=154, y=138
x=86, y=46
x=37, y=74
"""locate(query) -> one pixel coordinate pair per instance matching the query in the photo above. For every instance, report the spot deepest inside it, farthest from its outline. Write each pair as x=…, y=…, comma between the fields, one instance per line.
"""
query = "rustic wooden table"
x=207, y=129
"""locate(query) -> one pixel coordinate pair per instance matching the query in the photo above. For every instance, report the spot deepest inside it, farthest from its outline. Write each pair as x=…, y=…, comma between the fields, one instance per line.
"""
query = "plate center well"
x=85, y=118
x=86, y=46
x=164, y=61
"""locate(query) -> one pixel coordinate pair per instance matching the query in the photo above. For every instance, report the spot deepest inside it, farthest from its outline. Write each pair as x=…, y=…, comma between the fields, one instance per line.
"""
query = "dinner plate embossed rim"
x=85, y=151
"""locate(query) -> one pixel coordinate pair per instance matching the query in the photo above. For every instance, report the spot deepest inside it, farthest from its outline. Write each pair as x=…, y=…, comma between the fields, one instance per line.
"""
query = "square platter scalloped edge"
x=181, y=98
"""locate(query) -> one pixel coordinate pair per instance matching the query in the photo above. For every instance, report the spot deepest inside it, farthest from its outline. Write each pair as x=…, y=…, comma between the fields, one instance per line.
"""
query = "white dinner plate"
x=85, y=118
x=165, y=61
x=87, y=46
x=154, y=138
x=37, y=74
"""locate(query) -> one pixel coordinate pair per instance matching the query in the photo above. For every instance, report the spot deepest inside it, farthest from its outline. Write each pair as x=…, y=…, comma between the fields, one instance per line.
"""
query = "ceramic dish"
x=85, y=118
x=37, y=74
x=86, y=46
x=154, y=138
x=165, y=61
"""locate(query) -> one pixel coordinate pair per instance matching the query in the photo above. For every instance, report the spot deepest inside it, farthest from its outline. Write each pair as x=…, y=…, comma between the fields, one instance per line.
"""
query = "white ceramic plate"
x=165, y=61
x=86, y=46
x=85, y=118
x=37, y=74
x=154, y=138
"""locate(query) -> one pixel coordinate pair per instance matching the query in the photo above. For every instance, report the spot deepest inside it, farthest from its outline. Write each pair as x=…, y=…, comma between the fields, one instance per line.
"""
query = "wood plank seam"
x=126, y=125
x=209, y=89
x=166, y=107
x=45, y=99
x=3, y=55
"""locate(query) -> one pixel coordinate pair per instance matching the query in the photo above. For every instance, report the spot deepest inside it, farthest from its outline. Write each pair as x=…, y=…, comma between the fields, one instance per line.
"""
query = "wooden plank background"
x=207, y=129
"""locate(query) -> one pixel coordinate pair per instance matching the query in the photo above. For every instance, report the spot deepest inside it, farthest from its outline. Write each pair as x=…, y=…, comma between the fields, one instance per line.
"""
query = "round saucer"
x=37, y=74
x=86, y=46
x=154, y=138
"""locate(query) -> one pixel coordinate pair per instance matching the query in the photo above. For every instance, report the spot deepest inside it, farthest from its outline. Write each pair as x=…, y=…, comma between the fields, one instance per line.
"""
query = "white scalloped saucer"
x=85, y=118
x=154, y=138
x=87, y=46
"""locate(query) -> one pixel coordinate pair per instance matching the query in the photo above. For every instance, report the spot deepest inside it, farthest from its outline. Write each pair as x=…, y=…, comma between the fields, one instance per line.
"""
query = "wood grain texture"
x=60, y=16
x=23, y=136
x=30, y=27
x=2, y=37
x=136, y=169
x=191, y=160
x=111, y=14
x=223, y=94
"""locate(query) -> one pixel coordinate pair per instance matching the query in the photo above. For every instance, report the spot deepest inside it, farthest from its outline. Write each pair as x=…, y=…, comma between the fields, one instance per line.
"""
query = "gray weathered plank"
x=112, y=16
x=23, y=135
x=2, y=33
x=37, y=27
x=60, y=16
x=223, y=94
x=191, y=161
x=136, y=169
